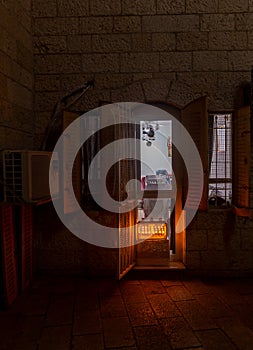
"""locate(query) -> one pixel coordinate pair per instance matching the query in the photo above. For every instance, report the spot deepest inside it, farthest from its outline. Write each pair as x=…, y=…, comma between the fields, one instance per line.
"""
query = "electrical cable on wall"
x=64, y=104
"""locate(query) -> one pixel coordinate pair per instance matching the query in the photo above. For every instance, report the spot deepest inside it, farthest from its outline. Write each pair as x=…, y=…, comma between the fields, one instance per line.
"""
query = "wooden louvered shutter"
x=241, y=168
x=68, y=145
x=26, y=245
x=8, y=261
x=195, y=119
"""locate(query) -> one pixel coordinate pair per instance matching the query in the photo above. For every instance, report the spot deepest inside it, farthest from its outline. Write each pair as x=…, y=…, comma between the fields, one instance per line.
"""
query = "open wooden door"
x=126, y=258
x=127, y=170
x=195, y=120
x=68, y=153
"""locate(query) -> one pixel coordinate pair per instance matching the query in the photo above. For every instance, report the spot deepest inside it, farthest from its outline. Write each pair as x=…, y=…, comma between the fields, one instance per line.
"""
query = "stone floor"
x=68, y=313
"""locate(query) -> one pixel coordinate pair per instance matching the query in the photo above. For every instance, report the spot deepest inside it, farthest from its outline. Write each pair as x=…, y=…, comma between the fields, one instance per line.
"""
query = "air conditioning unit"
x=26, y=175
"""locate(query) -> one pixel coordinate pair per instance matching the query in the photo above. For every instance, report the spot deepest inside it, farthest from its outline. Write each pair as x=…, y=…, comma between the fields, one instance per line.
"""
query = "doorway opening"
x=155, y=210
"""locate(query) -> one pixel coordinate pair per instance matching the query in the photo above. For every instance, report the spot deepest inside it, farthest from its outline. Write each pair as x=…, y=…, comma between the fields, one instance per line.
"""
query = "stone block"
x=217, y=22
x=24, y=56
x=45, y=101
x=44, y=8
x=139, y=62
x=170, y=23
x=72, y=81
x=112, y=81
x=8, y=43
x=233, y=6
x=163, y=41
x=246, y=260
x=247, y=239
x=192, y=41
x=175, y=62
x=180, y=333
x=98, y=63
x=214, y=219
x=250, y=5
x=55, y=26
x=53, y=337
x=181, y=94
x=169, y=7
x=131, y=93
x=191, y=85
x=228, y=82
x=111, y=43
x=127, y=24
x=138, y=7
x=201, y=6
x=105, y=7
x=88, y=341
x=214, y=336
x=244, y=21
x=143, y=76
x=118, y=332
x=240, y=60
x=210, y=61
x=73, y=8
x=50, y=64
x=151, y=337
x=198, y=82
x=49, y=44
x=41, y=121
x=27, y=4
x=214, y=260
x=22, y=96
x=141, y=314
x=25, y=19
x=228, y=40
x=193, y=260
x=79, y=43
x=91, y=101
x=93, y=25
x=221, y=102
x=21, y=118
x=196, y=315
x=196, y=240
x=141, y=42
x=156, y=89
x=223, y=239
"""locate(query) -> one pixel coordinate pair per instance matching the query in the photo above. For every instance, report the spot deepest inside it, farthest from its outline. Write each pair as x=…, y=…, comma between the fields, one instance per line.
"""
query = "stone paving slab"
x=130, y=315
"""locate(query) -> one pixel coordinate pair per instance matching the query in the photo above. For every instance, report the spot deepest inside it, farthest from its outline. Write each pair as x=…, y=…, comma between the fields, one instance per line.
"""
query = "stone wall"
x=141, y=50
x=220, y=243
x=16, y=75
x=146, y=50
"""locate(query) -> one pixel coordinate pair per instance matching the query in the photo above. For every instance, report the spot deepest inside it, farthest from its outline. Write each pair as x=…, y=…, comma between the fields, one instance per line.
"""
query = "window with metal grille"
x=220, y=160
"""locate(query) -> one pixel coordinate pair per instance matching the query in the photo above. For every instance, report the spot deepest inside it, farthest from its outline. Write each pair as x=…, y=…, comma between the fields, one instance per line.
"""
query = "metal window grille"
x=220, y=160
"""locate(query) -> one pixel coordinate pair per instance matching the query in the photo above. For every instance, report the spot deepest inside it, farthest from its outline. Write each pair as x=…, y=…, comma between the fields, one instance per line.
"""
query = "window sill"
x=244, y=212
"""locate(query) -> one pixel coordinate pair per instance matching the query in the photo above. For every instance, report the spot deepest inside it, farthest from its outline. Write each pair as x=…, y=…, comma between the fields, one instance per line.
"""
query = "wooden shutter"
x=26, y=245
x=8, y=263
x=68, y=151
x=195, y=119
x=241, y=168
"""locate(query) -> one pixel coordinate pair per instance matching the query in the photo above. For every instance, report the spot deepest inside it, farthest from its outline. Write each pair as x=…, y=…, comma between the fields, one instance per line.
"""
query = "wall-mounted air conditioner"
x=26, y=175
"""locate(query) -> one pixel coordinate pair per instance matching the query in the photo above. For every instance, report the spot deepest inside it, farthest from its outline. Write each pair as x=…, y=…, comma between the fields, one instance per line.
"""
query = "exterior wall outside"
x=147, y=50
x=16, y=75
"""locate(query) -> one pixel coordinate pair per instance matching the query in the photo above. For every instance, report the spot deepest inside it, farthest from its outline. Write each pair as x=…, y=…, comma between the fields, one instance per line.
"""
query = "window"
x=220, y=160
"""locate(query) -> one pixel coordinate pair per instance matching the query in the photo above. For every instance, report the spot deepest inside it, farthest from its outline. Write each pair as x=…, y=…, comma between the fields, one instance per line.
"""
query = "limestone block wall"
x=16, y=75
x=141, y=50
x=220, y=243
x=145, y=50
